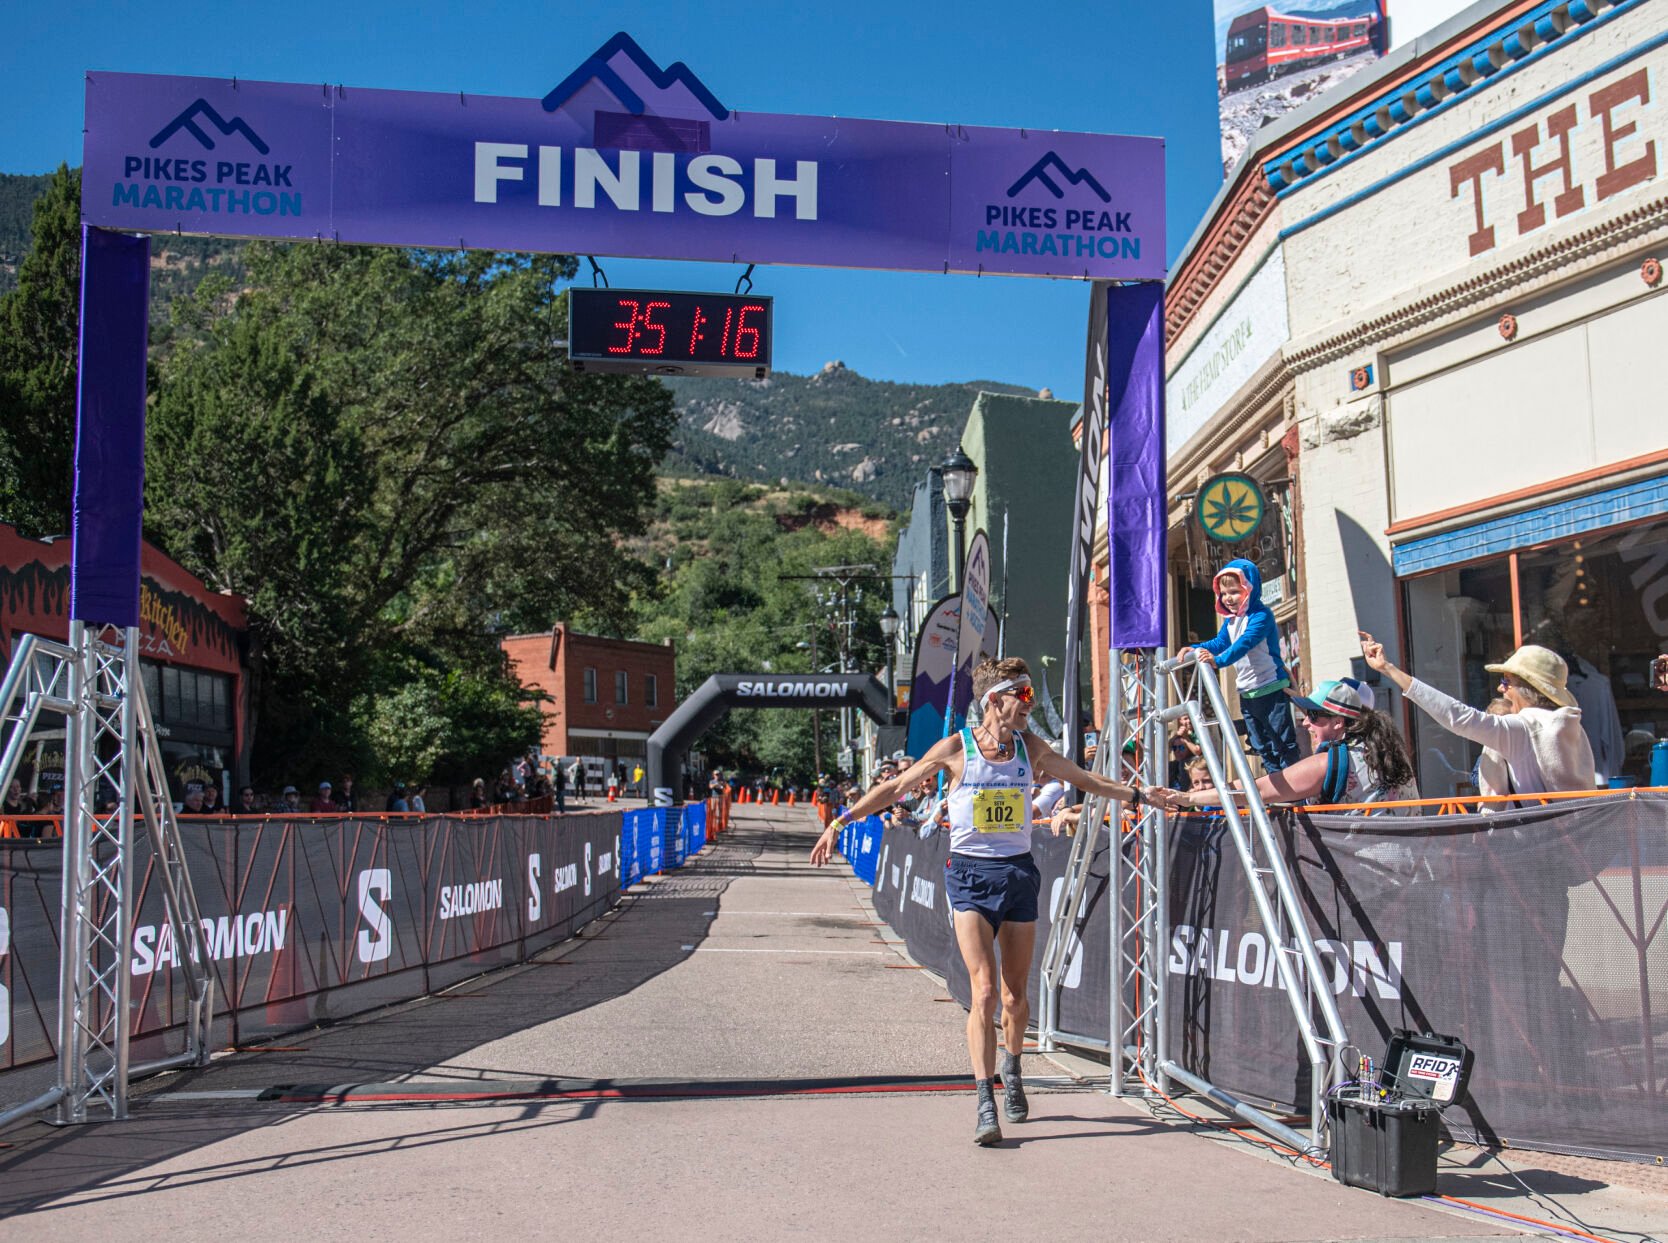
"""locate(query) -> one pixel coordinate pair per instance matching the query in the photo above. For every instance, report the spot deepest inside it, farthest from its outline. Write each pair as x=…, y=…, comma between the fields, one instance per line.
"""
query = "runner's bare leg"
x=1016, y=942
x=978, y=951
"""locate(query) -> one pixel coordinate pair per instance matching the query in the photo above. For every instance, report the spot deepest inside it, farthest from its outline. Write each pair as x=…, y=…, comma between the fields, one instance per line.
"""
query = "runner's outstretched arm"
x=1050, y=763
x=945, y=756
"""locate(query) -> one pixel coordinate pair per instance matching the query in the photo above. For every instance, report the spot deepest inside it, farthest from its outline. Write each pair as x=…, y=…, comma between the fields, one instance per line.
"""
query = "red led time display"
x=670, y=332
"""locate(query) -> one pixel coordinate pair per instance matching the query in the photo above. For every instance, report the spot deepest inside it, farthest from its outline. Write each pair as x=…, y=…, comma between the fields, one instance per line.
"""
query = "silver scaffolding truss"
x=1148, y=693
x=112, y=768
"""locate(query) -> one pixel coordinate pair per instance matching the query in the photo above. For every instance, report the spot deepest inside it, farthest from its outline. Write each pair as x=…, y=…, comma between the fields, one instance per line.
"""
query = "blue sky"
x=1112, y=67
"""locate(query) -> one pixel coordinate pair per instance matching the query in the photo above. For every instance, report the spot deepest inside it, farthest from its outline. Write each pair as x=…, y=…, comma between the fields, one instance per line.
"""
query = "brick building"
x=606, y=696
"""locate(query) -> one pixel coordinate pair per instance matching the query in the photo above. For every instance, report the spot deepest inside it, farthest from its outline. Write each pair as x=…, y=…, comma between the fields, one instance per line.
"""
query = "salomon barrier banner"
x=1536, y=937
x=307, y=921
x=694, y=828
x=620, y=158
x=860, y=843
x=643, y=841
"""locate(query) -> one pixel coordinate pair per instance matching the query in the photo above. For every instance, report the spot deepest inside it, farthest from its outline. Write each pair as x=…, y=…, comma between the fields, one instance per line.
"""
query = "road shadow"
x=655, y=927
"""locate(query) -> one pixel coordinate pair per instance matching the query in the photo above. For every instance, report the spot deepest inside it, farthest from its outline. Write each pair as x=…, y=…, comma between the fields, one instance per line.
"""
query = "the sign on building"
x=1246, y=334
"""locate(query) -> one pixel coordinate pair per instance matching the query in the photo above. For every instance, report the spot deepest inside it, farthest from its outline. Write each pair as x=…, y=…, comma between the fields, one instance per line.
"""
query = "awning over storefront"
x=1633, y=502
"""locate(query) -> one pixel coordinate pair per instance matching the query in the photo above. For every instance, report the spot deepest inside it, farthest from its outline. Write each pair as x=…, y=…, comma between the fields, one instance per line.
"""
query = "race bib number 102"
x=999, y=810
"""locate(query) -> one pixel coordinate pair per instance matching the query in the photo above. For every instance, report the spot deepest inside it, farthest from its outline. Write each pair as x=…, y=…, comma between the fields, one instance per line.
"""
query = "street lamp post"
x=889, y=622
x=957, y=472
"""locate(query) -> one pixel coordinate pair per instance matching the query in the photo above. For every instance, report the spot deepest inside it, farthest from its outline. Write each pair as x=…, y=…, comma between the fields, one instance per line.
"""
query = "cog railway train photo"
x=1264, y=44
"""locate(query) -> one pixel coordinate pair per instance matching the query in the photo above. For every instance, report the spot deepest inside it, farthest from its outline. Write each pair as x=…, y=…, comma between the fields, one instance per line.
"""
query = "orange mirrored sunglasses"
x=1024, y=694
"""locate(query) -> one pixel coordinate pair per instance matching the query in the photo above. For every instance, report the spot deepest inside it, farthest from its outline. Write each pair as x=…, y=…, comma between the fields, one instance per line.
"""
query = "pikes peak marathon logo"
x=1089, y=228
x=231, y=184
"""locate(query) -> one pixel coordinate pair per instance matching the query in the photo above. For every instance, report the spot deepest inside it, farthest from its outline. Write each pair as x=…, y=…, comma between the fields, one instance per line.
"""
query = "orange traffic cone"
x=775, y=797
x=793, y=797
x=611, y=793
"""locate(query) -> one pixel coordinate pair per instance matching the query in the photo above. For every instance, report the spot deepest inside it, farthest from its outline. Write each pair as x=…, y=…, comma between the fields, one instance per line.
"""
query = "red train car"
x=1264, y=44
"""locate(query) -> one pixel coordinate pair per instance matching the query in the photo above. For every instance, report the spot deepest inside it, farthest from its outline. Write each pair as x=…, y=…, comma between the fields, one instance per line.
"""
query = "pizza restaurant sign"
x=163, y=631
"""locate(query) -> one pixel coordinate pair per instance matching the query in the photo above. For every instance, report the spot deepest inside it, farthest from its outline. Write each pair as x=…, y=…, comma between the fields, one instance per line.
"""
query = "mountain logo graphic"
x=200, y=111
x=1039, y=172
x=598, y=67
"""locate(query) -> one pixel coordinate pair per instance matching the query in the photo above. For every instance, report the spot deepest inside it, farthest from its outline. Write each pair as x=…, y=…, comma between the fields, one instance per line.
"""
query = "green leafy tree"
x=39, y=324
x=385, y=452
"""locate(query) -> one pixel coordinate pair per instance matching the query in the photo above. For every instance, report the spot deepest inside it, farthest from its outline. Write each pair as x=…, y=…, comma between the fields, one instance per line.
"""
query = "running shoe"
x=988, y=1131
x=1014, y=1106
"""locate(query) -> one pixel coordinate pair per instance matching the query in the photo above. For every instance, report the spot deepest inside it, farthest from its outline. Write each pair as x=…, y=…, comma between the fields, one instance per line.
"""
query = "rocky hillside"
x=834, y=428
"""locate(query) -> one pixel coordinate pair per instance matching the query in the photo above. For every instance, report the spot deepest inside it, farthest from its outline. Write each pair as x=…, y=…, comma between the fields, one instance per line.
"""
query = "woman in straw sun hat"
x=1540, y=739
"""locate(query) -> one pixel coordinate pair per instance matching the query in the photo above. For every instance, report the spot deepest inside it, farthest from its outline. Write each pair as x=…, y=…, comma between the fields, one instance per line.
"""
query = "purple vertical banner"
x=110, y=427
x=1135, y=506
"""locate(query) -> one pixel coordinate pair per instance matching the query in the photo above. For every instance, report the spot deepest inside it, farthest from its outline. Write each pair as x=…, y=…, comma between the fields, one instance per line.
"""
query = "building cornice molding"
x=1204, y=268
x=1555, y=262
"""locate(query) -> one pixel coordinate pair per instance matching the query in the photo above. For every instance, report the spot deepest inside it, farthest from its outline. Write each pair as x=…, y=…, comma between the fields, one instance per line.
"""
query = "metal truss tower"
x=113, y=775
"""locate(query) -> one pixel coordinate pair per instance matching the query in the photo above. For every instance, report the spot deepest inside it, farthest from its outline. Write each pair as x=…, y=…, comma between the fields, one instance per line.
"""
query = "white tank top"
x=990, y=808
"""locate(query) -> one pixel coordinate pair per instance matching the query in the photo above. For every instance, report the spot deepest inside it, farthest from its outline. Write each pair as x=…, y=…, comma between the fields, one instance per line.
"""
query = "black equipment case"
x=1384, y=1137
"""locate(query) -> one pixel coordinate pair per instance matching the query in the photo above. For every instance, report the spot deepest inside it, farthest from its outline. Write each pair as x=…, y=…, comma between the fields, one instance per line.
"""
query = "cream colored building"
x=1426, y=315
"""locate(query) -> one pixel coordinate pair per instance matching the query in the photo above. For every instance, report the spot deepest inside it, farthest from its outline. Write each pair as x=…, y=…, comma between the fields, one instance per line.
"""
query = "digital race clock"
x=669, y=333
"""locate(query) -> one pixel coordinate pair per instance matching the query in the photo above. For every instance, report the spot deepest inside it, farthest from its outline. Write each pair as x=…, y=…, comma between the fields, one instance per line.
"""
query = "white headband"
x=1003, y=686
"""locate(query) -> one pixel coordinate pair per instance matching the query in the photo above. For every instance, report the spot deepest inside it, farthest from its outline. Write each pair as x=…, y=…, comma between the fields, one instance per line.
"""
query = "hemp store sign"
x=1245, y=335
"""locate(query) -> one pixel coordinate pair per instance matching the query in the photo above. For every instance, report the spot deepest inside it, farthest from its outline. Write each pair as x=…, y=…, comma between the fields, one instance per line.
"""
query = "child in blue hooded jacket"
x=1249, y=639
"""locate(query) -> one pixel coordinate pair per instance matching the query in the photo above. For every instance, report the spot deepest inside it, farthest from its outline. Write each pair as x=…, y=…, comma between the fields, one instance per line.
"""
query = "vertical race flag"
x=1088, y=496
x=929, y=689
x=1270, y=60
x=975, y=623
x=1135, y=480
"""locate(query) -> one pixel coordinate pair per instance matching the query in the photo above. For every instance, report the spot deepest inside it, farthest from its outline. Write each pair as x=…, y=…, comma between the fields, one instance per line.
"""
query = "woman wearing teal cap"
x=1358, y=756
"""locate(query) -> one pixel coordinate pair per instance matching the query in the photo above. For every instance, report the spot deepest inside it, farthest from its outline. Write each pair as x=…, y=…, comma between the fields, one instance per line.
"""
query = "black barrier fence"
x=307, y=921
x=1536, y=936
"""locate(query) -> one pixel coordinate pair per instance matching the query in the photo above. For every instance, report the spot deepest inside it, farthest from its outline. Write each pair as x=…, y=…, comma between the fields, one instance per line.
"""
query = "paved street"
x=595, y=1093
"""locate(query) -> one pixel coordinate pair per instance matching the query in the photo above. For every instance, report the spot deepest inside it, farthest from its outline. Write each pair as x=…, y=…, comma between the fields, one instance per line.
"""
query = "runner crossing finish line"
x=992, y=879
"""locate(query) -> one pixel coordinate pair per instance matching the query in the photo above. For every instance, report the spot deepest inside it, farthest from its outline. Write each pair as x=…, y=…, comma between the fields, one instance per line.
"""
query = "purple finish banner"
x=1135, y=491
x=620, y=159
x=110, y=428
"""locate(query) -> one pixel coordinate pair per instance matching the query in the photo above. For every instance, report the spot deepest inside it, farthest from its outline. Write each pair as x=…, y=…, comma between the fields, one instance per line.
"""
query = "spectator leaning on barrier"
x=1358, y=756
x=1541, y=739
x=418, y=802
x=346, y=799
x=192, y=804
x=478, y=794
x=16, y=802
x=247, y=805
x=211, y=800
x=323, y=804
x=290, y=801
x=397, y=800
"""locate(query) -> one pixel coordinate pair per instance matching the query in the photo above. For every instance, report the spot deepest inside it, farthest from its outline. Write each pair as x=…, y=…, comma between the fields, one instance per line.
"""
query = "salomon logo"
x=535, y=900
x=376, y=943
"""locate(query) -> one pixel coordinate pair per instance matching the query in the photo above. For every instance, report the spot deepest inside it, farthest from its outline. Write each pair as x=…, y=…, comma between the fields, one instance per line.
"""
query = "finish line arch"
x=715, y=698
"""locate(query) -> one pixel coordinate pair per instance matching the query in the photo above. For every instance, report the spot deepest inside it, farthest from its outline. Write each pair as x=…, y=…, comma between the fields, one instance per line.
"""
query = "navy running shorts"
x=1002, y=890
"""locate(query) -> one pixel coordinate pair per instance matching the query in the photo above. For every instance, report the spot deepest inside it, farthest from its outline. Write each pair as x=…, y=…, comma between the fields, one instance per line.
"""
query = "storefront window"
x=1602, y=604
x=1458, y=621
